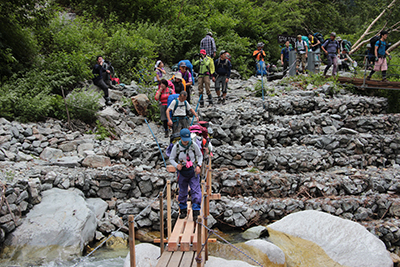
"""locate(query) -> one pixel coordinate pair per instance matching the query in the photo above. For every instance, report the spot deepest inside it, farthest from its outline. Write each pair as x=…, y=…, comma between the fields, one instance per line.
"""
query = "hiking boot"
x=223, y=101
x=219, y=100
x=183, y=214
x=210, y=101
x=166, y=135
x=196, y=214
x=368, y=78
x=108, y=101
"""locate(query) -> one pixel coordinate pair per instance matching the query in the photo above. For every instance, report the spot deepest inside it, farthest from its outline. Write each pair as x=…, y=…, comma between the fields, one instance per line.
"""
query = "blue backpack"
x=170, y=99
x=189, y=65
x=261, y=69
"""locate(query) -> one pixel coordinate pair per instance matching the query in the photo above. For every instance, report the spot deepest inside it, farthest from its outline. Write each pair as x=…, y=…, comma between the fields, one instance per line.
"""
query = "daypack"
x=189, y=65
x=319, y=37
x=172, y=140
x=224, y=64
x=261, y=69
x=171, y=98
x=372, y=42
x=183, y=82
x=305, y=39
x=346, y=45
x=211, y=66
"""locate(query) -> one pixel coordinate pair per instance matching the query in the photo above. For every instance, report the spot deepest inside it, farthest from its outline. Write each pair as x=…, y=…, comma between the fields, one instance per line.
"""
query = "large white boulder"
x=344, y=242
x=98, y=206
x=219, y=262
x=57, y=228
x=274, y=253
x=254, y=232
x=146, y=255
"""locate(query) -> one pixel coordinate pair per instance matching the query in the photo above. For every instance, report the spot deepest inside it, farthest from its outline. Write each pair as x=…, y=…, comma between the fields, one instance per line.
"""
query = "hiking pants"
x=103, y=86
x=285, y=67
x=303, y=59
x=179, y=123
x=206, y=81
x=221, y=79
x=332, y=59
x=191, y=180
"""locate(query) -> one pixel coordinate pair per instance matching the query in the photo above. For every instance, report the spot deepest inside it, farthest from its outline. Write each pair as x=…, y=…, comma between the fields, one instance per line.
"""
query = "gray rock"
x=67, y=228
x=51, y=154
x=239, y=219
x=96, y=161
x=254, y=232
x=105, y=193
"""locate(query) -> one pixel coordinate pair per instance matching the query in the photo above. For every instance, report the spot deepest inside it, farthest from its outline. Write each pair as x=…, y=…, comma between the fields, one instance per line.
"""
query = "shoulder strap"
x=176, y=105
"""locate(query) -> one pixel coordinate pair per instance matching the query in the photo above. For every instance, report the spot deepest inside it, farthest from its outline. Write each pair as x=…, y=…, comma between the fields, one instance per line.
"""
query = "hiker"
x=178, y=82
x=200, y=137
x=301, y=49
x=179, y=107
x=380, y=56
x=100, y=77
x=187, y=158
x=221, y=76
x=187, y=77
x=159, y=69
x=331, y=49
x=369, y=58
x=285, y=57
x=208, y=44
x=315, y=46
x=345, y=61
x=162, y=96
x=259, y=55
x=204, y=76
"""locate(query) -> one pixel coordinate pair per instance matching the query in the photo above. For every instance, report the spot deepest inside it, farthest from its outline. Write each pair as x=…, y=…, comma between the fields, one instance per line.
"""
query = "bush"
x=84, y=104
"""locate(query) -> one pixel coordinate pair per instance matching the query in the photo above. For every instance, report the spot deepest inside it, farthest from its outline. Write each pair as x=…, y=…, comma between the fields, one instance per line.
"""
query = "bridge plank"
x=187, y=233
x=164, y=259
x=175, y=259
x=187, y=259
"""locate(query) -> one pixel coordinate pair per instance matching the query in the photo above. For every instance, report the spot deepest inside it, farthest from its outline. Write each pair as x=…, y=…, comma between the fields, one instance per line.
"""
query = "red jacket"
x=165, y=94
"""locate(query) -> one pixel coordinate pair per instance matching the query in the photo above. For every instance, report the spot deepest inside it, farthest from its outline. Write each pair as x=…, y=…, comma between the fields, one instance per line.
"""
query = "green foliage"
x=101, y=132
x=83, y=104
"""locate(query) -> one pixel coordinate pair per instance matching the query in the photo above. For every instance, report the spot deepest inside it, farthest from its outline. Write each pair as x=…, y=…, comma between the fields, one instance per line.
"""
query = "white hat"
x=178, y=75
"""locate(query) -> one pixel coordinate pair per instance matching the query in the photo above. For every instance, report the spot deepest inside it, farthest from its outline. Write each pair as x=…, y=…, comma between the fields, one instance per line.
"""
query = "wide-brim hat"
x=178, y=75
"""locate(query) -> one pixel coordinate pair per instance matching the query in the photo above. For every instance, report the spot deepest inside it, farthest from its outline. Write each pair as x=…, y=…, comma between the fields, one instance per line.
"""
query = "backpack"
x=261, y=69
x=223, y=65
x=172, y=140
x=372, y=42
x=211, y=66
x=346, y=45
x=189, y=65
x=319, y=37
x=172, y=98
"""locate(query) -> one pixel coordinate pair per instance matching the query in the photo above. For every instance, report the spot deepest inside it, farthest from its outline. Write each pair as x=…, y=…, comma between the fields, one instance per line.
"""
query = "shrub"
x=84, y=104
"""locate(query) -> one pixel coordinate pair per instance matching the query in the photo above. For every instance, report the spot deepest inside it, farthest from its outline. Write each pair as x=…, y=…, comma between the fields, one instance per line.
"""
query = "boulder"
x=146, y=255
x=254, y=232
x=51, y=154
x=275, y=254
x=56, y=229
x=98, y=206
x=218, y=262
x=96, y=161
x=140, y=102
x=316, y=238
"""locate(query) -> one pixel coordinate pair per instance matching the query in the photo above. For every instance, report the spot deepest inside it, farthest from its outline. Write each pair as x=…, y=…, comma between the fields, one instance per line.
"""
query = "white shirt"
x=180, y=110
x=301, y=46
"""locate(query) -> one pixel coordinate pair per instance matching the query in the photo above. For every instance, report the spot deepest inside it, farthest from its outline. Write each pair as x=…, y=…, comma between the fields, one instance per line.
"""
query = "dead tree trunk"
x=393, y=46
x=367, y=32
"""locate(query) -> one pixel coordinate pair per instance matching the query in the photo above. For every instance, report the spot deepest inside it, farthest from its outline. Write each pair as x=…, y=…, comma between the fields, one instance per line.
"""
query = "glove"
x=390, y=57
x=376, y=58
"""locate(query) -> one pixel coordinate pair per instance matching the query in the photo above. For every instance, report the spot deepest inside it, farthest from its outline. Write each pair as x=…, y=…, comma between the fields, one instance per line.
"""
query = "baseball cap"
x=202, y=51
x=182, y=64
x=338, y=39
x=222, y=52
x=333, y=34
x=185, y=135
x=178, y=75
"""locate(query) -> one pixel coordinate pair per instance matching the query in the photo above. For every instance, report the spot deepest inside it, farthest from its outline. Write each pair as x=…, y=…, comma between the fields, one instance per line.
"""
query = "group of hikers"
x=337, y=52
x=190, y=143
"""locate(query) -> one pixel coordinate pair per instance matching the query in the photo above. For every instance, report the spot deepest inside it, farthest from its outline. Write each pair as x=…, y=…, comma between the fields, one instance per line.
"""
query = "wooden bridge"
x=369, y=84
x=186, y=245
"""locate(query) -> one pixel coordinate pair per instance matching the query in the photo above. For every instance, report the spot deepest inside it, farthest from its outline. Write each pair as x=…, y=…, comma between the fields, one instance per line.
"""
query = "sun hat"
x=178, y=75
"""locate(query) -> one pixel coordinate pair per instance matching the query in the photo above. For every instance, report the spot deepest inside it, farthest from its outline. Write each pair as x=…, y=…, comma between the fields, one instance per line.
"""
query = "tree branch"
x=372, y=24
x=394, y=46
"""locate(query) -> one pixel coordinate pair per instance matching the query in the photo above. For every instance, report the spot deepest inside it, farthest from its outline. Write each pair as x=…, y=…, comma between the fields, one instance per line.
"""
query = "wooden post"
x=161, y=223
x=169, y=222
x=199, y=241
x=132, y=240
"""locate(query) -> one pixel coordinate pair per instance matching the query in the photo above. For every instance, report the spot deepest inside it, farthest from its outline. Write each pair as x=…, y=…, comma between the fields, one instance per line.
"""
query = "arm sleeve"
x=213, y=45
x=188, y=107
x=198, y=153
x=173, y=155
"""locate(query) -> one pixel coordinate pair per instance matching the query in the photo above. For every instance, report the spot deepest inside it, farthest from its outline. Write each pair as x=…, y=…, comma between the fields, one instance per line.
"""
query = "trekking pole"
x=162, y=155
x=198, y=102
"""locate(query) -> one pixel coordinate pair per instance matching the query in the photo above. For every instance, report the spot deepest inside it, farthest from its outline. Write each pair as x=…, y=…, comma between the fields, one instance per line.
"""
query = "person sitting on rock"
x=100, y=77
x=187, y=158
x=179, y=107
